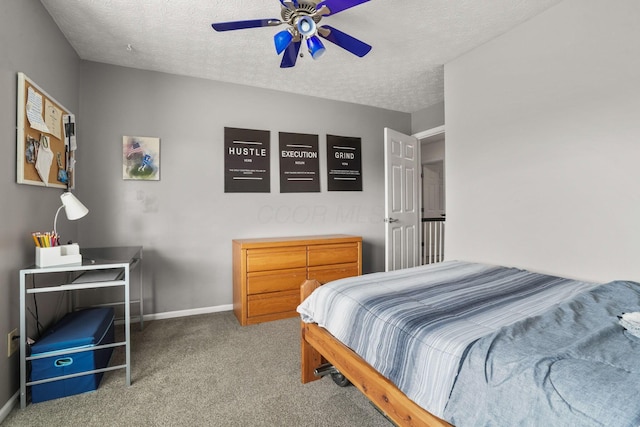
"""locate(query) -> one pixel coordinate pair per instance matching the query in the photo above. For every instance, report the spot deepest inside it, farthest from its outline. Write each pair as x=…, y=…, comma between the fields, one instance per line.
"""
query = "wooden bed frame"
x=318, y=346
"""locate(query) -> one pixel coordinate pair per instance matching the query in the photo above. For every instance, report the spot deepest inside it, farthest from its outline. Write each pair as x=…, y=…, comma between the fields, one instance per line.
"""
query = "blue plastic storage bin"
x=81, y=329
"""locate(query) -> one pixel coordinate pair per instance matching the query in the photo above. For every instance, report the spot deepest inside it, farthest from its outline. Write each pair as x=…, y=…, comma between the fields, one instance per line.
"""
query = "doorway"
x=432, y=157
x=411, y=238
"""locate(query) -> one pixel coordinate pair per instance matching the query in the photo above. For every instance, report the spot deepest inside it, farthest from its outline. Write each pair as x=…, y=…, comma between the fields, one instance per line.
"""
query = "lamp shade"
x=316, y=48
x=72, y=206
x=282, y=40
x=306, y=26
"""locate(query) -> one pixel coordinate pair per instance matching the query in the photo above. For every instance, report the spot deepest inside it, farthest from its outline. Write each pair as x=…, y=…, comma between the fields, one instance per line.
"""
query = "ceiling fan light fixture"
x=315, y=46
x=306, y=26
x=302, y=19
x=282, y=40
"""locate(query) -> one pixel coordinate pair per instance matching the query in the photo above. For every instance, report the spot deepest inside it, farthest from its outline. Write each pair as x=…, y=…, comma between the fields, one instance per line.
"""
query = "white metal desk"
x=93, y=259
x=119, y=254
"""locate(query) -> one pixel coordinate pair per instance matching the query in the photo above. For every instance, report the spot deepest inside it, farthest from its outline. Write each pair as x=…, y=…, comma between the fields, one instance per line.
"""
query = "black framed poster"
x=299, y=163
x=246, y=161
x=344, y=163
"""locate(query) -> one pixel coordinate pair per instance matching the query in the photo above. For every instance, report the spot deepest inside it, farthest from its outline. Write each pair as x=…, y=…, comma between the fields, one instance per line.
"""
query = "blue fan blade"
x=294, y=3
x=241, y=25
x=290, y=55
x=346, y=41
x=336, y=6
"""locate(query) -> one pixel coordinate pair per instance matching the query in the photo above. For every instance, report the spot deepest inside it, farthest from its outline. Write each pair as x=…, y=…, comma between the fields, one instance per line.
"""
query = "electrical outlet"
x=13, y=343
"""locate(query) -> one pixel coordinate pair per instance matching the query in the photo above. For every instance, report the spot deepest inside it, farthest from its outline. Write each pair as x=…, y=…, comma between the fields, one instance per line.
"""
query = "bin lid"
x=82, y=328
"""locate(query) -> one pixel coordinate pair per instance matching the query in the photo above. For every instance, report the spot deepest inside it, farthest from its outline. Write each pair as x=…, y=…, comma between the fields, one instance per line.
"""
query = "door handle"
x=390, y=220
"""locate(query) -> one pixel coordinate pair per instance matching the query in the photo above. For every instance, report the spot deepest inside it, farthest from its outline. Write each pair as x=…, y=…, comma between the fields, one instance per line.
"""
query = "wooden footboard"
x=318, y=345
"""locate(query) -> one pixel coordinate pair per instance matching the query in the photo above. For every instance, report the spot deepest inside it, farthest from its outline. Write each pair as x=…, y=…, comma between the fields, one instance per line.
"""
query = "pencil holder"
x=58, y=255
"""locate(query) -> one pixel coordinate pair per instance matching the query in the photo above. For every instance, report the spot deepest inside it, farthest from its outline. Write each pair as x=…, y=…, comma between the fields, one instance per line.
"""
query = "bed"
x=433, y=345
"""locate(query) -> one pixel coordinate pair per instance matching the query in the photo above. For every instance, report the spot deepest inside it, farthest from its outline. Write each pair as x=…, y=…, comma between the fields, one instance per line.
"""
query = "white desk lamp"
x=72, y=207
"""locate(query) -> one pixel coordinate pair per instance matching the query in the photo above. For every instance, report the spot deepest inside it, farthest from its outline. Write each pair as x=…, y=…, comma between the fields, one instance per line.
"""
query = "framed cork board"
x=46, y=141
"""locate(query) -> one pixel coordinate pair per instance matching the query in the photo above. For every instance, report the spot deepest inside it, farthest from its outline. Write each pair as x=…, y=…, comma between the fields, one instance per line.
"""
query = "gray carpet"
x=209, y=371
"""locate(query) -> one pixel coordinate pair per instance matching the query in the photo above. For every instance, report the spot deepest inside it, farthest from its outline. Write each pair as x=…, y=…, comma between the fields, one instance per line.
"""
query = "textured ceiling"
x=404, y=71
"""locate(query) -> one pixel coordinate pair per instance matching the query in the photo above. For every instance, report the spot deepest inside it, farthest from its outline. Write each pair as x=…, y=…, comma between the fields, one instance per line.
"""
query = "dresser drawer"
x=340, y=253
x=274, y=281
x=271, y=303
x=276, y=258
x=324, y=274
x=268, y=271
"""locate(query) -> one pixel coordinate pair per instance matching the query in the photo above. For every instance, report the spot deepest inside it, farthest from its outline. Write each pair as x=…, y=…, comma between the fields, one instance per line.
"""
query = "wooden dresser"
x=268, y=272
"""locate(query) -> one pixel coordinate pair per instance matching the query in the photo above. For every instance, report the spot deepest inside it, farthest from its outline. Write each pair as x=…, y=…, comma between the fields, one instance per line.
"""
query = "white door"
x=402, y=200
x=433, y=190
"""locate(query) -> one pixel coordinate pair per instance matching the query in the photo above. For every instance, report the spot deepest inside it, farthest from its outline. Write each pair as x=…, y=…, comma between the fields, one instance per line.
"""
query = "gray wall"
x=427, y=118
x=29, y=42
x=185, y=221
x=543, y=144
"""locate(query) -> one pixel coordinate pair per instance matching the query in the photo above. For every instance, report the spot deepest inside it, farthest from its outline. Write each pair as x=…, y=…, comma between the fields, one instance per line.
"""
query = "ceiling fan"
x=303, y=17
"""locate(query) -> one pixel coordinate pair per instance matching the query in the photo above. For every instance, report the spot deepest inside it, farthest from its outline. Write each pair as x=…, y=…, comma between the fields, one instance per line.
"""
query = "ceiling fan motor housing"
x=305, y=8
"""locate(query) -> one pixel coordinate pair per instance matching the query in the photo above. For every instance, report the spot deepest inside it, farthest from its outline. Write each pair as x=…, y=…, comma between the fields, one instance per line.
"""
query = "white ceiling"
x=404, y=71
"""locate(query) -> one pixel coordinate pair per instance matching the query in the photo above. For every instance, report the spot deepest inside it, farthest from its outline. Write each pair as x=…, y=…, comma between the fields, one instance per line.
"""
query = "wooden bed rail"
x=310, y=357
x=318, y=346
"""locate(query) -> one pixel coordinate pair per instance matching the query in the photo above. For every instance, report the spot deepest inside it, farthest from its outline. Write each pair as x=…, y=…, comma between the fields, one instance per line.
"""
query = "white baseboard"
x=190, y=312
x=179, y=313
x=8, y=407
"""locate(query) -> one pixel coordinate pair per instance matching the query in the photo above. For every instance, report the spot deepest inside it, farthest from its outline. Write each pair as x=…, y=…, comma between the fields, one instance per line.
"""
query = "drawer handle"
x=65, y=361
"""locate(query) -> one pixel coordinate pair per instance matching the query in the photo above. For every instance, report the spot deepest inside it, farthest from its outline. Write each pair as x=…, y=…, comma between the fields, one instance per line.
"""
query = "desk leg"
x=127, y=325
x=23, y=342
x=141, y=308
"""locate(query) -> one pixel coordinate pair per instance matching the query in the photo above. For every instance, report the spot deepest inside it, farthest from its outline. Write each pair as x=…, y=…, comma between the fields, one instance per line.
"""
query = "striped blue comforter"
x=414, y=325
